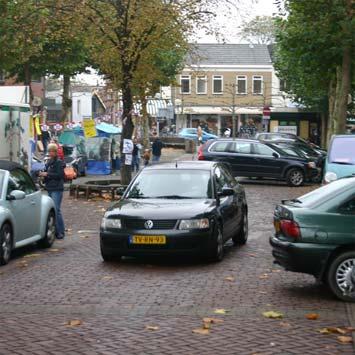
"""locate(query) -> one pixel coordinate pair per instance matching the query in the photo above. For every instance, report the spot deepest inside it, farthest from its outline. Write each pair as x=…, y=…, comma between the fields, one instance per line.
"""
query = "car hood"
x=340, y=170
x=161, y=208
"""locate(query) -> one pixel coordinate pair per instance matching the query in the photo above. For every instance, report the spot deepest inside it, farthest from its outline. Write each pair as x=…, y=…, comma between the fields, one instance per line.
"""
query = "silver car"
x=26, y=215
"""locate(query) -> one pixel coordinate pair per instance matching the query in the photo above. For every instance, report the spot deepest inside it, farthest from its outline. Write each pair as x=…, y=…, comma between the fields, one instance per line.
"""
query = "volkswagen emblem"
x=149, y=224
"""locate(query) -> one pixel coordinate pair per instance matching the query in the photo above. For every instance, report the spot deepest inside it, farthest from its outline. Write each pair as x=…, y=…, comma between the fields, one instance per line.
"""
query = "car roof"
x=9, y=165
x=249, y=140
x=183, y=165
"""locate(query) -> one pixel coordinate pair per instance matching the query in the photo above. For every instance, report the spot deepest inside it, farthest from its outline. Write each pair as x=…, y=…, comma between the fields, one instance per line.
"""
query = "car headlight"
x=203, y=223
x=330, y=177
x=312, y=165
x=109, y=223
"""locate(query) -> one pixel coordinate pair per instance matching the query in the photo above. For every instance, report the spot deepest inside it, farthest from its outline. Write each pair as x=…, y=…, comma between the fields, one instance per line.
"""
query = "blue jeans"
x=156, y=158
x=57, y=197
x=135, y=162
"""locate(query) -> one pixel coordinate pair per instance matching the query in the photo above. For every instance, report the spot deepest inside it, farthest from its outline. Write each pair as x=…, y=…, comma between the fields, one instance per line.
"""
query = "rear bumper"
x=177, y=242
x=306, y=258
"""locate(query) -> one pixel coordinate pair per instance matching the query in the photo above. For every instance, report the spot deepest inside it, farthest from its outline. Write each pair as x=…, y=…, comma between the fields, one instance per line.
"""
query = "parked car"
x=185, y=207
x=300, y=150
x=26, y=215
x=252, y=158
x=340, y=161
x=191, y=133
x=315, y=234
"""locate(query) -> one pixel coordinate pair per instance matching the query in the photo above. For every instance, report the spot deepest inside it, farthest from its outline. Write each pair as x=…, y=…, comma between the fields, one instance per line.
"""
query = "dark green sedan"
x=315, y=234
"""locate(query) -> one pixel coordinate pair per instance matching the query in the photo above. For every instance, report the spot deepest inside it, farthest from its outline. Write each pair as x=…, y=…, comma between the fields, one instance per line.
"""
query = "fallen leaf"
x=252, y=255
x=206, y=325
x=84, y=237
x=276, y=270
x=264, y=277
x=212, y=320
x=54, y=250
x=74, y=323
x=332, y=330
x=152, y=327
x=29, y=256
x=312, y=316
x=230, y=279
x=345, y=340
x=220, y=311
x=107, y=278
x=22, y=264
x=285, y=324
x=201, y=331
x=273, y=315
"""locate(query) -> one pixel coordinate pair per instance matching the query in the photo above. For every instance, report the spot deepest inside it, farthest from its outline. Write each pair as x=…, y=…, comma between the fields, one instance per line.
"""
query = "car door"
x=27, y=211
x=268, y=161
x=242, y=159
x=226, y=203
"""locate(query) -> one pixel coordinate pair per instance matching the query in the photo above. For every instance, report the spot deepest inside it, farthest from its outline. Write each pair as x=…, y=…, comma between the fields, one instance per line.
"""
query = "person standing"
x=156, y=149
x=136, y=155
x=199, y=135
x=54, y=184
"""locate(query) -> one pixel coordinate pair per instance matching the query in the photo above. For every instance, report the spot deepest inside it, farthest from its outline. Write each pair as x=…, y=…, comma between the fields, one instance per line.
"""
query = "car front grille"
x=158, y=224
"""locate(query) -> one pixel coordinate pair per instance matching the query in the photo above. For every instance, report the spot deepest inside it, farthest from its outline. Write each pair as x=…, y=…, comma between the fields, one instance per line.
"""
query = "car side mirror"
x=275, y=155
x=16, y=195
x=226, y=191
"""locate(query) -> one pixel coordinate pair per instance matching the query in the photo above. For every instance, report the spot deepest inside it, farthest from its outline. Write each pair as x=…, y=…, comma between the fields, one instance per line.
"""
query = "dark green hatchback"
x=315, y=234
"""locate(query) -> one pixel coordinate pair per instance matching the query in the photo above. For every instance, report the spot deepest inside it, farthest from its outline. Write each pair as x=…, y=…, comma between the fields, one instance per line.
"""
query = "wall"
x=81, y=106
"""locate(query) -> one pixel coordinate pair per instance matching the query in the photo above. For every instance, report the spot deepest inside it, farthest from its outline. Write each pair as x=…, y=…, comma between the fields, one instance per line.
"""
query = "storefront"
x=304, y=124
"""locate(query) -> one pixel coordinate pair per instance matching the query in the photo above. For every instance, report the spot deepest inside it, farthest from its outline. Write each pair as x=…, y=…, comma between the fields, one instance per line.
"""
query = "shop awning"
x=108, y=128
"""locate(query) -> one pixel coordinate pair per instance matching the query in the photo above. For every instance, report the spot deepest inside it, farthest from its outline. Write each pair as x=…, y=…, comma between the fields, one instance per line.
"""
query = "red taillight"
x=200, y=153
x=290, y=229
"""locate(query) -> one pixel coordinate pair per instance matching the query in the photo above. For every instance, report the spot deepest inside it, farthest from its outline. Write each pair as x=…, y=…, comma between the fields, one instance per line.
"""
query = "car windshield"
x=325, y=193
x=342, y=151
x=173, y=184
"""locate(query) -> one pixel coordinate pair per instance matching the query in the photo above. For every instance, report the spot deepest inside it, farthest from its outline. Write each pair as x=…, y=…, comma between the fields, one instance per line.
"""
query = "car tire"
x=339, y=276
x=109, y=257
x=241, y=237
x=295, y=177
x=50, y=234
x=5, y=243
x=216, y=250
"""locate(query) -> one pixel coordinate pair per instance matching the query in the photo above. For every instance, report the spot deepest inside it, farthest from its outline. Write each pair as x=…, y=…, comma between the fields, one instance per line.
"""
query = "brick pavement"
x=115, y=302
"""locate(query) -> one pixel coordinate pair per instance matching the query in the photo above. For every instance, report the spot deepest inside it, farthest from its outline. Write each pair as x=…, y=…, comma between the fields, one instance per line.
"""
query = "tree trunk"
x=331, y=103
x=145, y=118
x=324, y=129
x=67, y=102
x=127, y=125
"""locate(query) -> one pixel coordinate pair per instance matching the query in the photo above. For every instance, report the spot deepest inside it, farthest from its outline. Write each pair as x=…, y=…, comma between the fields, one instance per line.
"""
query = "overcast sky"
x=232, y=19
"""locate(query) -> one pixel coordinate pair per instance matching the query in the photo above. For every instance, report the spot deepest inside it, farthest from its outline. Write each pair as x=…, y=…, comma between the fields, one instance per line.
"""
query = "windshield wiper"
x=174, y=197
x=294, y=200
x=342, y=162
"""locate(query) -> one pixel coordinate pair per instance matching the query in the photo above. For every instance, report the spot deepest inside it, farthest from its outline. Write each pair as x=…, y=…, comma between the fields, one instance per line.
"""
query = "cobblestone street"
x=41, y=291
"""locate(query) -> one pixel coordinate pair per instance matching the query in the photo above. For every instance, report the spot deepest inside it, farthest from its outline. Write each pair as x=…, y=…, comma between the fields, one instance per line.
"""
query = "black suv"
x=252, y=158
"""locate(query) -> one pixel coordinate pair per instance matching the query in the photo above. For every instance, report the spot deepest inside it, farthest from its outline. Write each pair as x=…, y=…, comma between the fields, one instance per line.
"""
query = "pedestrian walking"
x=136, y=155
x=156, y=149
x=199, y=135
x=54, y=184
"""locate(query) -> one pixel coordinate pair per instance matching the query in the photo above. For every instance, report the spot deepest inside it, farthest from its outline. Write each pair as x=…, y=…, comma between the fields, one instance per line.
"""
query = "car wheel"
x=50, y=234
x=109, y=257
x=341, y=276
x=242, y=237
x=5, y=244
x=216, y=252
x=295, y=177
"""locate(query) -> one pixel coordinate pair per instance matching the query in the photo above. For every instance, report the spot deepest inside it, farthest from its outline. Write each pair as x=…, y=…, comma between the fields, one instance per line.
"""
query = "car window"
x=19, y=180
x=241, y=148
x=191, y=131
x=220, y=147
x=342, y=151
x=184, y=183
x=348, y=207
x=261, y=149
x=231, y=180
x=221, y=179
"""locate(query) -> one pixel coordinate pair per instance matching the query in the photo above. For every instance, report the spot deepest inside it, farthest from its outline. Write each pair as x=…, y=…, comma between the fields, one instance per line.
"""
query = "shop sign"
x=89, y=127
x=286, y=129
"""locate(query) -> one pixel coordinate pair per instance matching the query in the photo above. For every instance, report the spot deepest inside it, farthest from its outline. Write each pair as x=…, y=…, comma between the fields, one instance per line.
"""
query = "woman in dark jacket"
x=54, y=182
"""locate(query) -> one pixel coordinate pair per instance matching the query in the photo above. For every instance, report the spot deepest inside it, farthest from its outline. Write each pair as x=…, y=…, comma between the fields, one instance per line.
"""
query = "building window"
x=218, y=84
x=78, y=108
x=283, y=86
x=257, y=85
x=242, y=85
x=201, y=85
x=185, y=84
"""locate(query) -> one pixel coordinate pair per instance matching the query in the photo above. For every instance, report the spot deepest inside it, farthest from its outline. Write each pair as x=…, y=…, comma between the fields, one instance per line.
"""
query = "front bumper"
x=306, y=258
x=177, y=242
